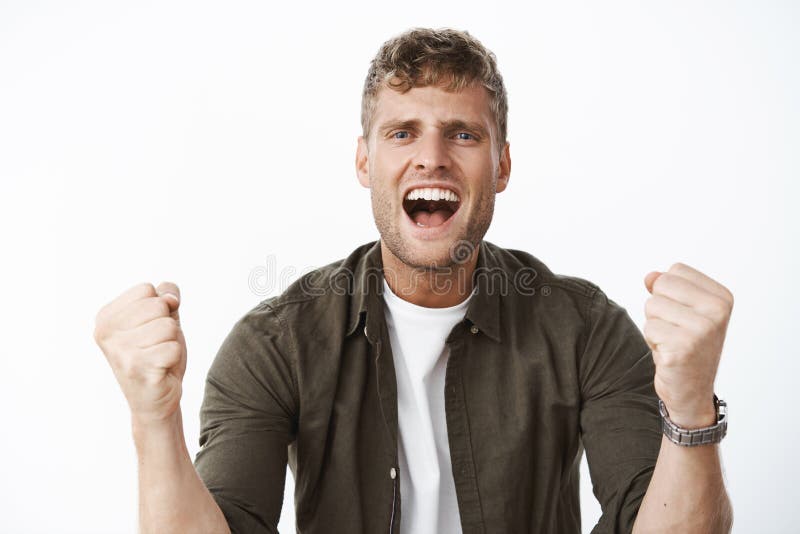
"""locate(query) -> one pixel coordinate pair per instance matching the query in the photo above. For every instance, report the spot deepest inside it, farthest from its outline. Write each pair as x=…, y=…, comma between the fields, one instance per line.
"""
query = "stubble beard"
x=441, y=260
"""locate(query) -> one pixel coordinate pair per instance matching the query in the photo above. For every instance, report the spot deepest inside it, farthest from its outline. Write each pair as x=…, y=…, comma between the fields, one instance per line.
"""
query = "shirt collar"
x=484, y=306
x=367, y=290
x=367, y=282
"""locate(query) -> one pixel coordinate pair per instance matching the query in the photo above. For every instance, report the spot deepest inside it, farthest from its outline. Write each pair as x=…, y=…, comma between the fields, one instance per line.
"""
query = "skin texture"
x=414, y=140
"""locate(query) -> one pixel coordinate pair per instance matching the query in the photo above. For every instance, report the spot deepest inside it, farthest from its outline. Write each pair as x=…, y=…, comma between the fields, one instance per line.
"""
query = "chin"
x=433, y=254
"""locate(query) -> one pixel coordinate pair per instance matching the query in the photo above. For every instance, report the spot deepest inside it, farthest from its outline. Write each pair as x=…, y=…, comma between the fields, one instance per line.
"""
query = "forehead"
x=433, y=104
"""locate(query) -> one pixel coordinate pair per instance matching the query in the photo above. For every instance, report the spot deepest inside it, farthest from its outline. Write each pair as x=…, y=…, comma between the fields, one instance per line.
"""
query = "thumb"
x=172, y=296
x=650, y=279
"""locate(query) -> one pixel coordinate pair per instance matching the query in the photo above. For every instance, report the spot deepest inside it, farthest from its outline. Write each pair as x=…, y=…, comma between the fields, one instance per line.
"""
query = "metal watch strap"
x=696, y=436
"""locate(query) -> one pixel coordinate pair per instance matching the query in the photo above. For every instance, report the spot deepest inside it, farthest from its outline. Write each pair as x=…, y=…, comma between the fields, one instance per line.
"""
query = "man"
x=433, y=382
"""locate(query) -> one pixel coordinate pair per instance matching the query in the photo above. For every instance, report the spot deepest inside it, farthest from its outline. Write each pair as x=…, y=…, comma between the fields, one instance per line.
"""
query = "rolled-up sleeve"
x=619, y=415
x=247, y=420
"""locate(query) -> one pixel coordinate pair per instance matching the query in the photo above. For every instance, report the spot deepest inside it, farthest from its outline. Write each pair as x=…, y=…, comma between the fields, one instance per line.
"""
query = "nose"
x=432, y=153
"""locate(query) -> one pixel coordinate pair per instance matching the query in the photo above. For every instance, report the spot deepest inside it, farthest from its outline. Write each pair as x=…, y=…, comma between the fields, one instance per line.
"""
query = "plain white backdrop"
x=202, y=142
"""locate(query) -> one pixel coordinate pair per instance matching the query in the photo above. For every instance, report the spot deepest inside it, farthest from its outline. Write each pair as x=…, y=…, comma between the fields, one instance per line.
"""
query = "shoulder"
x=567, y=302
x=319, y=301
x=523, y=268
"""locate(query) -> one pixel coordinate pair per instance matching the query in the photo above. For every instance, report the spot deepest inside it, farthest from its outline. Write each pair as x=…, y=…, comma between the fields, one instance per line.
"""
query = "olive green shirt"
x=542, y=367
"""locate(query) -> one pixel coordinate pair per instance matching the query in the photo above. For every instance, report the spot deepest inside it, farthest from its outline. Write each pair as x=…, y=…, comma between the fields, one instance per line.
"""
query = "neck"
x=432, y=288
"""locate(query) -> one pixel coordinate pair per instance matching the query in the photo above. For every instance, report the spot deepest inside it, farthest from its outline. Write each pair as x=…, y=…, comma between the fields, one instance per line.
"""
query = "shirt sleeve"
x=619, y=415
x=247, y=420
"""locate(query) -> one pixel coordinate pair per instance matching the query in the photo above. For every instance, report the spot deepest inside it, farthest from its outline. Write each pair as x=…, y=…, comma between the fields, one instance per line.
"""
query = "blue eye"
x=395, y=135
x=470, y=136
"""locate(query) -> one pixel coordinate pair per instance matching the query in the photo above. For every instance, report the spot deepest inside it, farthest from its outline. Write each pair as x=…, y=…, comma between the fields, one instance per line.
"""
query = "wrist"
x=692, y=413
x=692, y=430
x=147, y=429
x=693, y=419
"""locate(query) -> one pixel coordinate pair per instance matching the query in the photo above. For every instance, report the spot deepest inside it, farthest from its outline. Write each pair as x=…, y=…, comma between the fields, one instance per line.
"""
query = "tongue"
x=425, y=218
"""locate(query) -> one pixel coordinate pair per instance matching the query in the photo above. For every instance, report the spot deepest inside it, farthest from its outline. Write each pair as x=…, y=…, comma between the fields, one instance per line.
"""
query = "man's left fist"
x=685, y=323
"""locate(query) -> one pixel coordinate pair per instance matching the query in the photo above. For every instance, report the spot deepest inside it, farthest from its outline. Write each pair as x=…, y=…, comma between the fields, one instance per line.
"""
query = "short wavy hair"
x=423, y=56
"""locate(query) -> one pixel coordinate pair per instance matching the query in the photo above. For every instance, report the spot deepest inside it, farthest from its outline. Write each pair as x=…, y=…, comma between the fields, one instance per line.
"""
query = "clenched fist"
x=686, y=322
x=140, y=335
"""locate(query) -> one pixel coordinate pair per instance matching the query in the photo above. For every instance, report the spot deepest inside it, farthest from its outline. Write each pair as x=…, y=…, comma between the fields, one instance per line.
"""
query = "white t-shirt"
x=417, y=335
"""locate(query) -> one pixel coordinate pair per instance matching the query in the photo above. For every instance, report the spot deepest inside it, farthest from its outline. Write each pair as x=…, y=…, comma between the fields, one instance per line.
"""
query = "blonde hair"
x=423, y=56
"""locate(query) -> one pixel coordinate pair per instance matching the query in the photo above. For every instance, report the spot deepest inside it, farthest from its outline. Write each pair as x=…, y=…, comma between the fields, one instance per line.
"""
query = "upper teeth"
x=432, y=193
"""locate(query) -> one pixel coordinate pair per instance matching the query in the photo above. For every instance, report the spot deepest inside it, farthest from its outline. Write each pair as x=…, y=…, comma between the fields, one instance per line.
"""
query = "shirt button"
x=474, y=329
x=392, y=473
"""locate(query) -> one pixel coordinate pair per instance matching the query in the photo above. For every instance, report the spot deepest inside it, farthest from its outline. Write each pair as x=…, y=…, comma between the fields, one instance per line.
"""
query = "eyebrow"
x=455, y=124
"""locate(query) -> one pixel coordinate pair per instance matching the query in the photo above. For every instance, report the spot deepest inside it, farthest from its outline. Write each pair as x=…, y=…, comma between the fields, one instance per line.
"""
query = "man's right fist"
x=140, y=335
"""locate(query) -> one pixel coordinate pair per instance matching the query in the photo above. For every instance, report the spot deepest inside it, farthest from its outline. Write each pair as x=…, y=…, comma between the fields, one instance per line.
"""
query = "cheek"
x=481, y=174
x=382, y=194
x=392, y=160
x=475, y=163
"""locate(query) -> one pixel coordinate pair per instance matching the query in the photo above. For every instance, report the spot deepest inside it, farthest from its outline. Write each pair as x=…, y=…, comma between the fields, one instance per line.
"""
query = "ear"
x=362, y=162
x=505, y=169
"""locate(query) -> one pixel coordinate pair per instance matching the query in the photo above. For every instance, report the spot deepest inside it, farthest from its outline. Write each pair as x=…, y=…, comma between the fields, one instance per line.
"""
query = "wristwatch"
x=696, y=436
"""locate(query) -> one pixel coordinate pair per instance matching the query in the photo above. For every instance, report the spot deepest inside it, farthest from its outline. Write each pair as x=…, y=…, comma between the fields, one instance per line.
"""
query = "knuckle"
x=170, y=328
x=174, y=348
x=686, y=355
x=152, y=378
x=147, y=289
x=161, y=307
x=169, y=284
x=708, y=323
x=728, y=298
x=175, y=330
x=720, y=311
x=649, y=307
x=648, y=329
x=676, y=267
x=113, y=346
x=666, y=359
x=659, y=284
x=171, y=353
x=99, y=317
x=693, y=347
x=128, y=368
x=98, y=334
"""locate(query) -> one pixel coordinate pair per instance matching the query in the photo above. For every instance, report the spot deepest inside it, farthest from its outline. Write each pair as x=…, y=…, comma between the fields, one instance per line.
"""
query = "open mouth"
x=430, y=208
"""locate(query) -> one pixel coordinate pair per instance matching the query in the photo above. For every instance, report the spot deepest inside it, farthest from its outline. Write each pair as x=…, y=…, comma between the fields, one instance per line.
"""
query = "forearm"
x=686, y=493
x=172, y=497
